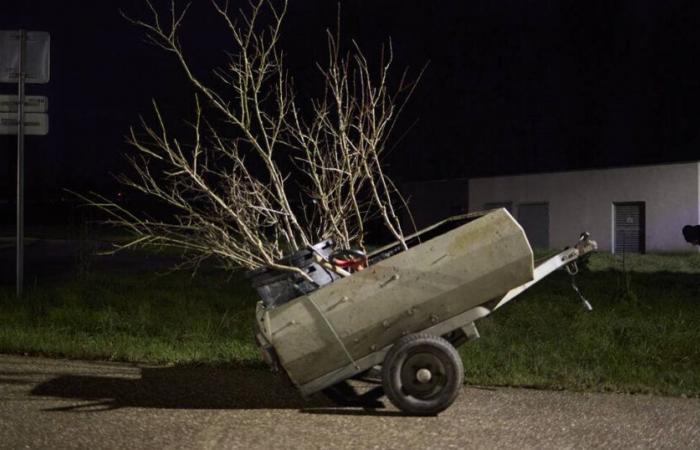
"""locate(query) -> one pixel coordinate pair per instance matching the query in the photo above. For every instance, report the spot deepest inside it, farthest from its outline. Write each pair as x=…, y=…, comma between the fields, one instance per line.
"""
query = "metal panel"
x=32, y=103
x=403, y=294
x=464, y=320
x=36, y=64
x=534, y=218
x=36, y=124
x=629, y=227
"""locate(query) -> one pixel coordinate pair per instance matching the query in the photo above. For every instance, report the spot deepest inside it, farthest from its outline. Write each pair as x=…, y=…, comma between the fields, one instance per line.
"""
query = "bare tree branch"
x=260, y=176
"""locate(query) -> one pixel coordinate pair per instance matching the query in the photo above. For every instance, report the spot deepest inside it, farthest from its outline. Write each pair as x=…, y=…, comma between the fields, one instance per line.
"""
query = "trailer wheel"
x=422, y=374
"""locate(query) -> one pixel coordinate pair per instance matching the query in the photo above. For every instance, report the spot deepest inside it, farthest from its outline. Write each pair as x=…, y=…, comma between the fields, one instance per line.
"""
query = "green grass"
x=644, y=340
x=149, y=317
x=642, y=336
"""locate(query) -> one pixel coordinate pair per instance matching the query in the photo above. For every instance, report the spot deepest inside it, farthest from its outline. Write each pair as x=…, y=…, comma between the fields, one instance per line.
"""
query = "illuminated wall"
x=583, y=201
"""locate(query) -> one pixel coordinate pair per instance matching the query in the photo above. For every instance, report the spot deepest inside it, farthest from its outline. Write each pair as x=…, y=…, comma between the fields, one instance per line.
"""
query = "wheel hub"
x=423, y=375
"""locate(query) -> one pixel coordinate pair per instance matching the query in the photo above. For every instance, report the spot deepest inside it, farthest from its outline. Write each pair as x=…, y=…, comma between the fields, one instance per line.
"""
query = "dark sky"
x=512, y=86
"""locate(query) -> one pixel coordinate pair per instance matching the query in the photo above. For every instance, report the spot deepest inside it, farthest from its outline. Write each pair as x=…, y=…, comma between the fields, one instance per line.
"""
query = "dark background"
x=511, y=86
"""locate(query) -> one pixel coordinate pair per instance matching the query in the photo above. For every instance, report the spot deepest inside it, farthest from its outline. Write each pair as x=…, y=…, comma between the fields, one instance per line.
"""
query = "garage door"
x=629, y=227
x=534, y=218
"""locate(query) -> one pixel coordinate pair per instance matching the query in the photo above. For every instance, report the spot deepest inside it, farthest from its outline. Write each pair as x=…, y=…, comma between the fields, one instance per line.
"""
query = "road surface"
x=49, y=403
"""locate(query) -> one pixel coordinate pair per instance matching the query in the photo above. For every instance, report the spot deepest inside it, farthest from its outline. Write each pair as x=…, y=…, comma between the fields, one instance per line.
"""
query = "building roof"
x=596, y=169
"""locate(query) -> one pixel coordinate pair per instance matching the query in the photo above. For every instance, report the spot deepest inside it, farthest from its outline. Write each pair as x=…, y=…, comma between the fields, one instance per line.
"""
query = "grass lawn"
x=148, y=317
x=642, y=336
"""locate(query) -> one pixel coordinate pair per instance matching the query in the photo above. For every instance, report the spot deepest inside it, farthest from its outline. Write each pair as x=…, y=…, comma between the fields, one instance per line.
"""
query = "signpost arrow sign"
x=36, y=124
x=32, y=103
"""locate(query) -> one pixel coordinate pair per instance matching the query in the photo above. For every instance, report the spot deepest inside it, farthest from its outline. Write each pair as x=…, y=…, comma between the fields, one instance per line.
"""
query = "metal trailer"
x=408, y=311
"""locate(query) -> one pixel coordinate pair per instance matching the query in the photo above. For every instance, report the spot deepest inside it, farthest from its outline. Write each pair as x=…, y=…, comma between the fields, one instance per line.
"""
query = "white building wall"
x=583, y=201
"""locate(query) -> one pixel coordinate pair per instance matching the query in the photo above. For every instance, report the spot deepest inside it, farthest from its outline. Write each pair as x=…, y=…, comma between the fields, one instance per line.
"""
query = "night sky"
x=511, y=86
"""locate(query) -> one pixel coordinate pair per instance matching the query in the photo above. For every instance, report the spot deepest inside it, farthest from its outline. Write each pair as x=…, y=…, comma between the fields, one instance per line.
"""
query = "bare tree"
x=262, y=175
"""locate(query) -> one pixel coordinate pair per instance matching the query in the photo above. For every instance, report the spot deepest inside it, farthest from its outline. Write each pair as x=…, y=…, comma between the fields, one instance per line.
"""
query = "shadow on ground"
x=178, y=388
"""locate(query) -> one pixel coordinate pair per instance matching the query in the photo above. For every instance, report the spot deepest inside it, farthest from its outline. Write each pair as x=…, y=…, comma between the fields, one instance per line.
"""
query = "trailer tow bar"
x=572, y=269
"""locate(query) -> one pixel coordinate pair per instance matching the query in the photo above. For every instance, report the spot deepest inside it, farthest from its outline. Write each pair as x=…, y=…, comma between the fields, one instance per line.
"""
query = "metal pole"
x=20, y=164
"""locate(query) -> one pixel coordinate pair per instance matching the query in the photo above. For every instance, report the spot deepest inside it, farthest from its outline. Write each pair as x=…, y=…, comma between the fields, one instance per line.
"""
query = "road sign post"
x=24, y=57
x=20, y=164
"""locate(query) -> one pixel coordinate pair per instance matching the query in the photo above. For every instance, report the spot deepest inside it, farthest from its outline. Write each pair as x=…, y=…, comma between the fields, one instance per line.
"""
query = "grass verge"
x=641, y=337
x=148, y=317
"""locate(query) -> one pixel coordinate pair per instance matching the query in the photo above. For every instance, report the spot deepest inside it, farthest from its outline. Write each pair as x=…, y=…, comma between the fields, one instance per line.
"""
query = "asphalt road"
x=47, y=403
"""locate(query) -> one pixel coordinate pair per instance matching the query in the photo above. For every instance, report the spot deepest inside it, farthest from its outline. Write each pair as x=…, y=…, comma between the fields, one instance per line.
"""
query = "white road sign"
x=24, y=58
x=32, y=103
x=36, y=124
x=36, y=63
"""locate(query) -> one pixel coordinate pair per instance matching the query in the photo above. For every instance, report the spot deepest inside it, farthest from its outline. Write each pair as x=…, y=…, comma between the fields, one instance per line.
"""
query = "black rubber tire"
x=400, y=374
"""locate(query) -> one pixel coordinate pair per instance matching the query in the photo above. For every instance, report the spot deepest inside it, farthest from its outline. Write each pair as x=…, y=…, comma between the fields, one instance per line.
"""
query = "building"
x=635, y=209
x=432, y=201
